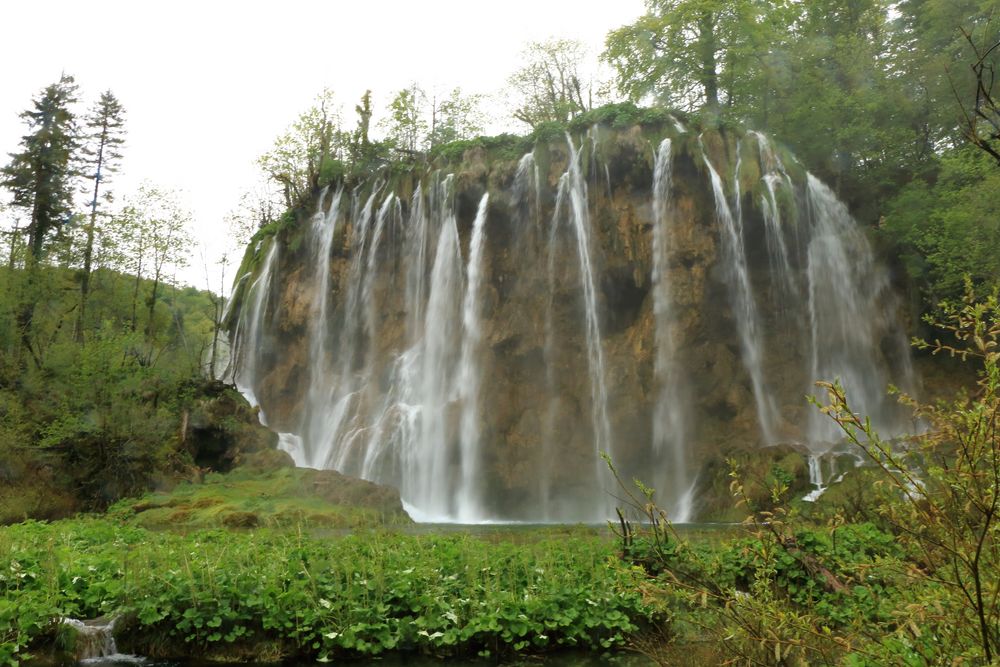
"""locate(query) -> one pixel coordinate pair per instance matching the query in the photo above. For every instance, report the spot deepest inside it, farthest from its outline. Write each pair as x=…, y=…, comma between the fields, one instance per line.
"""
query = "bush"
x=214, y=593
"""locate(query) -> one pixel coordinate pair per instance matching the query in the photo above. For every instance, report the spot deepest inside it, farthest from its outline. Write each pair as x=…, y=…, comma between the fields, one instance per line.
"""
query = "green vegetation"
x=257, y=494
x=102, y=357
x=862, y=91
x=271, y=595
x=918, y=585
x=949, y=227
x=98, y=419
x=504, y=146
x=103, y=365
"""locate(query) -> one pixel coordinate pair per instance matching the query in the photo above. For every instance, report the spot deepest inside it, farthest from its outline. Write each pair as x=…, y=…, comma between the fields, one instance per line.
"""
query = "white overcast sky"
x=208, y=85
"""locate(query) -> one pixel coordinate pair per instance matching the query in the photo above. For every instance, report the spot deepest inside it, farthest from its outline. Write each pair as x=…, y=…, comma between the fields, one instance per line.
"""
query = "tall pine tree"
x=40, y=178
x=104, y=135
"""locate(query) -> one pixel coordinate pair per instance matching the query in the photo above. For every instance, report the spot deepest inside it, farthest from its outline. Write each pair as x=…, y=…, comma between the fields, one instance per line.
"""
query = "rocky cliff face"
x=663, y=294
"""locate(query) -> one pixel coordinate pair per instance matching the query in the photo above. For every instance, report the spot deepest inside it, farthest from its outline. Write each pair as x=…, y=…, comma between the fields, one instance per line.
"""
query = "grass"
x=283, y=498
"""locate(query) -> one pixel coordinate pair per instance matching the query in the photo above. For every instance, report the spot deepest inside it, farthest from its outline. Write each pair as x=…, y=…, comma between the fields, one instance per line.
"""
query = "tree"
x=12, y=232
x=948, y=230
x=982, y=124
x=258, y=207
x=40, y=178
x=152, y=238
x=457, y=116
x=309, y=152
x=550, y=83
x=941, y=493
x=105, y=135
x=406, y=127
x=702, y=53
x=360, y=142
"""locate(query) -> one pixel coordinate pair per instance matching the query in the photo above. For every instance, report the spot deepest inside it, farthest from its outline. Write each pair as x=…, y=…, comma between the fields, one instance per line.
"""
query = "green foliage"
x=862, y=91
x=285, y=497
x=699, y=52
x=213, y=593
x=949, y=227
x=550, y=84
x=40, y=176
x=503, y=146
x=945, y=483
x=458, y=116
x=548, y=131
x=620, y=115
x=406, y=126
x=98, y=418
x=304, y=153
x=918, y=588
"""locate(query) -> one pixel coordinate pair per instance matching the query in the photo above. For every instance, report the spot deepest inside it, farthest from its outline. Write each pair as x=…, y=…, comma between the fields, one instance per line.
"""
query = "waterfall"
x=669, y=428
x=334, y=391
x=573, y=194
x=741, y=294
x=95, y=641
x=815, y=478
x=416, y=271
x=250, y=327
x=779, y=262
x=481, y=358
x=849, y=308
x=469, y=504
x=322, y=232
x=427, y=487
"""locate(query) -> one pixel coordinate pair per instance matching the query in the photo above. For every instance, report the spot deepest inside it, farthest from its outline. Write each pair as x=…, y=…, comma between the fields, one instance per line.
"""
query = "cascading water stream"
x=428, y=488
x=416, y=270
x=322, y=231
x=332, y=395
x=847, y=309
x=94, y=642
x=250, y=327
x=469, y=502
x=364, y=432
x=815, y=478
x=744, y=306
x=670, y=438
x=573, y=189
x=779, y=262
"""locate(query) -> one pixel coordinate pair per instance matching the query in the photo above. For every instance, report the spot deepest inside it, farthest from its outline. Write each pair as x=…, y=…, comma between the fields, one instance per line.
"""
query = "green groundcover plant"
x=268, y=595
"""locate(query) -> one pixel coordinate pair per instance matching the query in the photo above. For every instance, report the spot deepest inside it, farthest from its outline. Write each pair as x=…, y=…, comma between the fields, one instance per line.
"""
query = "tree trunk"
x=135, y=294
x=26, y=308
x=707, y=48
x=88, y=250
x=150, y=324
x=14, y=235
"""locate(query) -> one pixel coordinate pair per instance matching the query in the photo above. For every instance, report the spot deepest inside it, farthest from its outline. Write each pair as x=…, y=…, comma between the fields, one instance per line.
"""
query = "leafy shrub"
x=214, y=593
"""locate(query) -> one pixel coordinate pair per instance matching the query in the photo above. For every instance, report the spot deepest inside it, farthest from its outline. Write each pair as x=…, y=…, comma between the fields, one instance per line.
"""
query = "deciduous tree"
x=456, y=116
x=406, y=126
x=309, y=151
x=551, y=85
x=152, y=238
